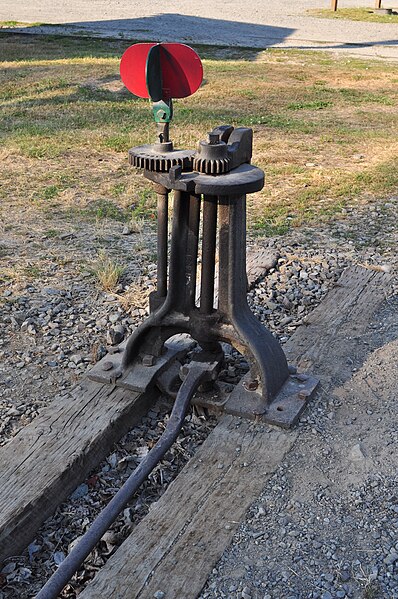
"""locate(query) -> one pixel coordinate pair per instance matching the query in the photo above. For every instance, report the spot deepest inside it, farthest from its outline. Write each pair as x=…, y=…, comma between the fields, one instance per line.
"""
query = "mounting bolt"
x=113, y=349
x=302, y=377
x=107, y=365
x=148, y=360
x=304, y=394
x=184, y=369
x=251, y=385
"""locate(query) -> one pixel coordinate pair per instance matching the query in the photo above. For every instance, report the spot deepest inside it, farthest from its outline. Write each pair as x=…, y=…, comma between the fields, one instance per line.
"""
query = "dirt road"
x=257, y=24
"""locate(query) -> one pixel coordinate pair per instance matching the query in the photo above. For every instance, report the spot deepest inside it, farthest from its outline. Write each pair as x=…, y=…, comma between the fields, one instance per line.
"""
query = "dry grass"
x=136, y=295
x=107, y=272
x=354, y=14
x=325, y=131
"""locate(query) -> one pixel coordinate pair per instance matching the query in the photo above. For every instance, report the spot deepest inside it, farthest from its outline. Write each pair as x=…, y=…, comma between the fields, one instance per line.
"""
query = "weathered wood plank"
x=333, y=328
x=192, y=523
x=44, y=463
x=175, y=547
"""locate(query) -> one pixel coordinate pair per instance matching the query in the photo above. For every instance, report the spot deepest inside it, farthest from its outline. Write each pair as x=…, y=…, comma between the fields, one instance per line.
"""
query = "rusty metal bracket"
x=246, y=400
x=141, y=373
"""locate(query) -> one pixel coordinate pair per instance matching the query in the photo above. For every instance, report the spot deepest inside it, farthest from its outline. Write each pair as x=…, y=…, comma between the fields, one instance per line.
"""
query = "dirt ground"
x=257, y=24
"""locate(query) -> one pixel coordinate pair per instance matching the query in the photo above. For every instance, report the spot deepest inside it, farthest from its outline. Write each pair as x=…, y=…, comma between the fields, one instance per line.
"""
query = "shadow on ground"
x=173, y=27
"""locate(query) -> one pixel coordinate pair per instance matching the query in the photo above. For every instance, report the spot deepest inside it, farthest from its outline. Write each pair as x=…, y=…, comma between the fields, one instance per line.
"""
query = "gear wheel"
x=149, y=158
x=212, y=157
x=211, y=167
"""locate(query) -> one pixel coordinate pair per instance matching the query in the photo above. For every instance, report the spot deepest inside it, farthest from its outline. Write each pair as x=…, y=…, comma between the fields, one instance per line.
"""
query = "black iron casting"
x=209, y=214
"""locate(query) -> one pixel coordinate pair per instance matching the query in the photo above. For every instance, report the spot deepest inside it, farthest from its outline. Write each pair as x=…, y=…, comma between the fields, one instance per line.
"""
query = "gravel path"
x=256, y=24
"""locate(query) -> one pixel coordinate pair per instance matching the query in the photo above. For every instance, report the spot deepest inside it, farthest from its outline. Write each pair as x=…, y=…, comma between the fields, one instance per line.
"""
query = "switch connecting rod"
x=197, y=373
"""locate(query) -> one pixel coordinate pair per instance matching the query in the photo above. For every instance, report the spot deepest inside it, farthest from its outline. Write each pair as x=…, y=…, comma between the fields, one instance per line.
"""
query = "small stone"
x=159, y=595
x=51, y=291
x=8, y=568
x=126, y=230
x=356, y=453
x=76, y=359
x=13, y=412
x=286, y=320
x=391, y=558
x=115, y=335
x=114, y=318
x=79, y=492
x=58, y=557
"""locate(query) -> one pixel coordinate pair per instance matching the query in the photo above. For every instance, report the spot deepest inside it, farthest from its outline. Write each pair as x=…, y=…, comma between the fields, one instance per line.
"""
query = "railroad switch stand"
x=209, y=188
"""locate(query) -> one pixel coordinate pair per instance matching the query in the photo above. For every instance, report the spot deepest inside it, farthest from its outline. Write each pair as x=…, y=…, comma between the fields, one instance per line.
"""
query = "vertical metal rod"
x=163, y=205
x=334, y=5
x=223, y=254
x=178, y=251
x=192, y=248
x=208, y=254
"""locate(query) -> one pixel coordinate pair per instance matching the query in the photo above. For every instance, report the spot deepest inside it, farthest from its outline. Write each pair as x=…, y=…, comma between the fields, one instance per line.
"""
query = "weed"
x=106, y=271
x=136, y=224
x=51, y=233
x=100, y=210
x=145, y=205
x=118, y=189
x=31, y=271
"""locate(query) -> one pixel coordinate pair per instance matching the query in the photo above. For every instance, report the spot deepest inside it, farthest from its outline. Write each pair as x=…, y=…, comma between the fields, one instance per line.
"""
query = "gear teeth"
x=211, y=167
x=159, y=164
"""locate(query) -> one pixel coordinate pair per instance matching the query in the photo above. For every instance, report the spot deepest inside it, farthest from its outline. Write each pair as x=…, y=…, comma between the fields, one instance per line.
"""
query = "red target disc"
x=181, y=71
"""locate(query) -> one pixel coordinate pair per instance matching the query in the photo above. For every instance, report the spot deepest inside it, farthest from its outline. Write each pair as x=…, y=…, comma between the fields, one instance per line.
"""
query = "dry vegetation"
x=325, y=131
x=355, y=14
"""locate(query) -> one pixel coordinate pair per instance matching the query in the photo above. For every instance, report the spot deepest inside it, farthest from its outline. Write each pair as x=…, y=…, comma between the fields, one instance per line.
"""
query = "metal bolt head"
x=251, y=385
x=304, y=394
x=184, y=370
x=108, y=365
x=148, y=360
x=213, y=138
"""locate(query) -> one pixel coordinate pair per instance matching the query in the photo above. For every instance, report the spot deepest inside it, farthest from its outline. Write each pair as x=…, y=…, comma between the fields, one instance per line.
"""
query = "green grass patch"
x=354, y=14
x=315, y=105
x=17, y=24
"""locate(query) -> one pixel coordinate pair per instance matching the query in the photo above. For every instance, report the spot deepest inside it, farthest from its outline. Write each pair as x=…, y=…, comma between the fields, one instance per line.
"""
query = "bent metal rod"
x=197, y=373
